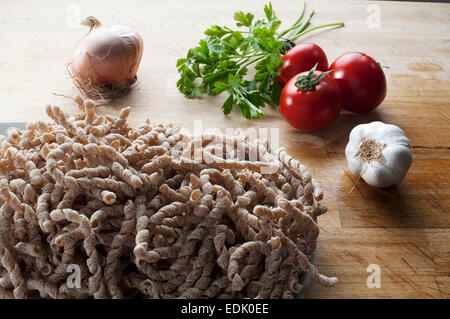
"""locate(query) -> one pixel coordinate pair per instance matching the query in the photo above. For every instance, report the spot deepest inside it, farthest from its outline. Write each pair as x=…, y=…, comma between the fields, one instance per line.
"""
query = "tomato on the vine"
x=301, y=58
x=310, y=100
x=361, y=80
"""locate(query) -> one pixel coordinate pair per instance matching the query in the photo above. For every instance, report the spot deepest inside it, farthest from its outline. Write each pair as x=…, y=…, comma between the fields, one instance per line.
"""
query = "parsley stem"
x=249, y=55
x=281, y=34
x=295, y=24
x=246, y=58
x=301, y=13
x=302, y=26
x=248, y=62
x=336, y=24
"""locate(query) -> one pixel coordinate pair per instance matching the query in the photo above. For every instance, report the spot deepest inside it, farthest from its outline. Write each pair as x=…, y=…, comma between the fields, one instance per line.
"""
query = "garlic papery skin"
x=380, y=153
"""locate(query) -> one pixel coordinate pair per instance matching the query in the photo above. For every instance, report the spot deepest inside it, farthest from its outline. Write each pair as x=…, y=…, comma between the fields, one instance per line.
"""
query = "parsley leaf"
x=243, y=19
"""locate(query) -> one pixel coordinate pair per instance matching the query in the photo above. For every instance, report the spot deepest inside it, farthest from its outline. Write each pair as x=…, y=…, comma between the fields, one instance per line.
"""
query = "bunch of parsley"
x=220, y=62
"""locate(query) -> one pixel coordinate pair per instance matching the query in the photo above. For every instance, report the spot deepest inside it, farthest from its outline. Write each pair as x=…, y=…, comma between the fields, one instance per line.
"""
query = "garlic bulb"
x=380, y=153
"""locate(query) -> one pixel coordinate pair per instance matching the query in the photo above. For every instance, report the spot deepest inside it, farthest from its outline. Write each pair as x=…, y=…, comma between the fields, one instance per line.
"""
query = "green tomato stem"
x=308, y=82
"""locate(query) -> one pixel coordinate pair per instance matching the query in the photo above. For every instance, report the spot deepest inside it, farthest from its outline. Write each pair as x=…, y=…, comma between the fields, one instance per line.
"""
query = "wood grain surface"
x=405, y=229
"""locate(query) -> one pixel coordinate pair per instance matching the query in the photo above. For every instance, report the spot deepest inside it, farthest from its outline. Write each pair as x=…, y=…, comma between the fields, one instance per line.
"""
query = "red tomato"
x=313, y=109
x=361, y=80
x=301, y=58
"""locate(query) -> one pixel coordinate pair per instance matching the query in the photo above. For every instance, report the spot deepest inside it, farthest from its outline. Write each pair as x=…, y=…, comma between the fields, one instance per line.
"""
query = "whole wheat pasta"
x=112, y=259
x=150, y=212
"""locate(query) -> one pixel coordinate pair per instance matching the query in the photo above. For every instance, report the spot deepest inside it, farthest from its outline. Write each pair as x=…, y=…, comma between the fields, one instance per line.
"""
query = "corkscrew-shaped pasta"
x=150, y=212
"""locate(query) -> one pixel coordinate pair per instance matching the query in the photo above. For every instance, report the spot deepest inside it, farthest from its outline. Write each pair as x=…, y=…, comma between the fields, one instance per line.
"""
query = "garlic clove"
x=355, y=165
x=400, y=158
x=378, y=175
x=397, y=140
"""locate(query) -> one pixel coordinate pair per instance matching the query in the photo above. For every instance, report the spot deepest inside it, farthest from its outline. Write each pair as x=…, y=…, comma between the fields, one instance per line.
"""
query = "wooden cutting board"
x=405, y=230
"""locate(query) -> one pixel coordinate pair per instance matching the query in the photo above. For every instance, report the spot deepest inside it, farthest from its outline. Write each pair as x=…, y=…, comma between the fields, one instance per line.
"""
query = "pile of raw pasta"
x=93, y=208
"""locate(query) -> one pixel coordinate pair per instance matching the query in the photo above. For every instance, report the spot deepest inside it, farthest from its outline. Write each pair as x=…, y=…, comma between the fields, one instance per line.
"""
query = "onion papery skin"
x=106, y=59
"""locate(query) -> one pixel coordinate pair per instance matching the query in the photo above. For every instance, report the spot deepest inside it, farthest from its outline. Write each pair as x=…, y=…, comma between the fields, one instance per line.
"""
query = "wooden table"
x=405, y=230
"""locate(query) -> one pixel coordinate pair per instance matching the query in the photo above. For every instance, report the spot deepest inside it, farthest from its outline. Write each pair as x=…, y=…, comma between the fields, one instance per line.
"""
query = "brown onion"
x=105, y=61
